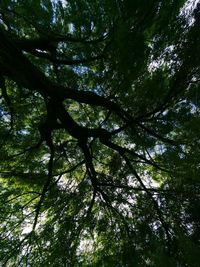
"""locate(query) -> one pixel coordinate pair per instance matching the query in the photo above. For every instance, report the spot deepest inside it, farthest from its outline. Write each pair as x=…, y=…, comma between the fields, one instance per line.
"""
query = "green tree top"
x=99, y=127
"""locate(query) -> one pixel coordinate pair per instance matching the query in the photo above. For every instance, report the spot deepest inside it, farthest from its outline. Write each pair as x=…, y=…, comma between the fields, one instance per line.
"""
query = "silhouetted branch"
x=156, y=206
x=45, y=188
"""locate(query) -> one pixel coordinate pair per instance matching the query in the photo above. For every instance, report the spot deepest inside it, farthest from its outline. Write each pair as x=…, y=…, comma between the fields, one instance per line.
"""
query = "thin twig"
x=45, y=188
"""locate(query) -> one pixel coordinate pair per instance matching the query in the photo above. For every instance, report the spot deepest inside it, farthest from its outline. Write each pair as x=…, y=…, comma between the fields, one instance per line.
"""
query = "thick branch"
x=89, y=165
x=16, y=66
x=60, y=59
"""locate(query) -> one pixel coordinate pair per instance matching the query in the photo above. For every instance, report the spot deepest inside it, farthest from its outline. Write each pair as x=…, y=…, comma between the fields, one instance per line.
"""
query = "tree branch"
x=158, y=210
x=123, y=150
x=45, y=188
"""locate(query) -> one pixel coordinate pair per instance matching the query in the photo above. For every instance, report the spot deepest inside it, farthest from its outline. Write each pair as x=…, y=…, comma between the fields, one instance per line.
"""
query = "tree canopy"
x=99, y=133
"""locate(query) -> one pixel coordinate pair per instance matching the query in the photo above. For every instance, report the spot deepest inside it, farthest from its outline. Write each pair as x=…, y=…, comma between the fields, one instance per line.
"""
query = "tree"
x=99, y=133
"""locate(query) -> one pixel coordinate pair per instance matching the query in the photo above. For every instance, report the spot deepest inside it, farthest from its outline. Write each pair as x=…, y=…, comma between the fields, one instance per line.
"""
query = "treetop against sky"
x=99, y=133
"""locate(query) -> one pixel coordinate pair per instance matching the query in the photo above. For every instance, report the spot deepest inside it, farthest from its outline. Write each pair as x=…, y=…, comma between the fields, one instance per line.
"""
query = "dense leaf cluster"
x=99, y=133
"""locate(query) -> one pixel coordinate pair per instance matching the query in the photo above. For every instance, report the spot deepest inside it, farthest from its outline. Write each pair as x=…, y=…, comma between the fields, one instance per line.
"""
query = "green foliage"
x=99, y=133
